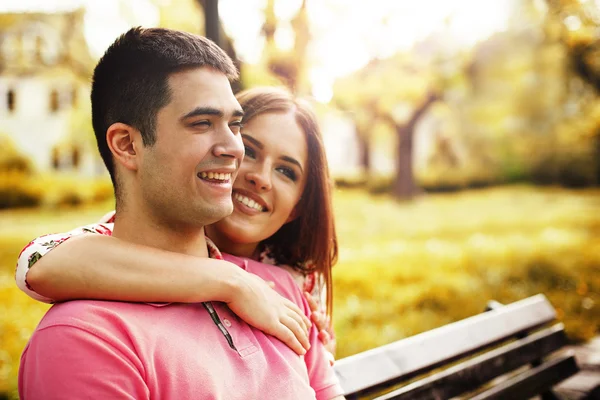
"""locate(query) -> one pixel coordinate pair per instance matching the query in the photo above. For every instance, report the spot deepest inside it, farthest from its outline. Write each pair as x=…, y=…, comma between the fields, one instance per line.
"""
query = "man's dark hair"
x=130, y=82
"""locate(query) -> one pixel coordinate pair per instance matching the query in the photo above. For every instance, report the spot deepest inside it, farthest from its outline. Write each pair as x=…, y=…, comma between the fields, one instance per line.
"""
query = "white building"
x=45, y=70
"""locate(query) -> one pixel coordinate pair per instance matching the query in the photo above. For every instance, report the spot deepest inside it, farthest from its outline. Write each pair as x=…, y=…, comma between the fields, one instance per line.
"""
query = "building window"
x=55, y=158
x=74, y=96
x=39, y=48
x=54, y=101
x=75, y=157
x=11, y=100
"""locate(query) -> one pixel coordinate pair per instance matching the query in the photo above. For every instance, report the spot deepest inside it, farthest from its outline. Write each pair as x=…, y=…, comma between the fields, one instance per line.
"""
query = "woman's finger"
x=297, y=330
x=319, y=319
x=287, y=336
x=296, y=309
x=301, y=320
x=324, y=336
x=311, y=301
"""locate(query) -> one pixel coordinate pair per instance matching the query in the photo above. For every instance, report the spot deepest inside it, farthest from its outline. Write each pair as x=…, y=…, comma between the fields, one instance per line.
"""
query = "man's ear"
x=124, y=141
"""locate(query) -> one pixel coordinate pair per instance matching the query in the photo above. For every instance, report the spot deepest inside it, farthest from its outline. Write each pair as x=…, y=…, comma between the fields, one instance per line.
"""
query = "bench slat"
x=419, y=353
x=473, y=373
x=532, y=382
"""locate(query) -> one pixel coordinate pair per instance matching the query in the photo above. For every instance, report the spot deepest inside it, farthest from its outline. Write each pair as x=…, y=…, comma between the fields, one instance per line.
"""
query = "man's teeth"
x=247, y=201
x=215, y=175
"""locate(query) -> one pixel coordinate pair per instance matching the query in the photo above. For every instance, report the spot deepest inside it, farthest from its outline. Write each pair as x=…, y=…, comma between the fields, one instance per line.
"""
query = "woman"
x=280, y=217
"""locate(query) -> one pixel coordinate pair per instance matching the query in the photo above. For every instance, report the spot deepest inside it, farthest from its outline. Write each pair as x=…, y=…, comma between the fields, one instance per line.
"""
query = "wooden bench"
x=509, y=352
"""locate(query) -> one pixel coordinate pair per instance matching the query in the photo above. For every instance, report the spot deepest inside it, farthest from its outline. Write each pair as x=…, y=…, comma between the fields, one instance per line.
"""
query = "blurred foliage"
x=11, y=159
x=521, y=105
x=50, y=190
x=183, y=15
x=404, y=267
x=18, y=190
x=15, y=173
x=288, y=66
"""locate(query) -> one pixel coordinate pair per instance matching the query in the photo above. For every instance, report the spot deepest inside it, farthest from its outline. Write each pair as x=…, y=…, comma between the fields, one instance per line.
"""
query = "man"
x=167, y=125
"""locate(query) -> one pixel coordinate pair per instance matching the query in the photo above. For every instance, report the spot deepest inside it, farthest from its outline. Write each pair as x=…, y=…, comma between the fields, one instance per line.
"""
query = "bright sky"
x=346, y=33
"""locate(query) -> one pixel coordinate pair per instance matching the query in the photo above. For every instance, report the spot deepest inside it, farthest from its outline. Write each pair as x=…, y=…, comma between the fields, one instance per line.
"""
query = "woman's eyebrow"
x=258, y=144
x=252, y=140
x=292, y=161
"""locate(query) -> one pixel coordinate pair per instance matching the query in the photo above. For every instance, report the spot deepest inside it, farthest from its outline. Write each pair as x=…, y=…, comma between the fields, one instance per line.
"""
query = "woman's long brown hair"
x=309, y=242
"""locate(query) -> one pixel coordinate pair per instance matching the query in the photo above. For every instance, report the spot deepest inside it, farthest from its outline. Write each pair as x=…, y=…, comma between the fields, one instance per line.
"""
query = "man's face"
x=186, y=176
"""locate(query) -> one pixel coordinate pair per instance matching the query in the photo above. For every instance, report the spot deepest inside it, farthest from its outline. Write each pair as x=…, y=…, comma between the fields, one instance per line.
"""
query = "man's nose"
x=230, y=146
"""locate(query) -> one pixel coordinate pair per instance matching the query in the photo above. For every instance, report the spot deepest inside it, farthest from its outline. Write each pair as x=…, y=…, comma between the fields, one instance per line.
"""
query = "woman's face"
x=270, y=181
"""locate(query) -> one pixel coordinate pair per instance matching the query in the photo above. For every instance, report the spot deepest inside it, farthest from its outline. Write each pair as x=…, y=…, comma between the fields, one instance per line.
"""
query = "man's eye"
x=203, y=123
x=236, y=126
x=249, y=152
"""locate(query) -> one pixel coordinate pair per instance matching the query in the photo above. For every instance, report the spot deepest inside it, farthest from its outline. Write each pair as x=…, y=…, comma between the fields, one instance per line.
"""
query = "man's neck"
x=149, y=230
x=226, y=245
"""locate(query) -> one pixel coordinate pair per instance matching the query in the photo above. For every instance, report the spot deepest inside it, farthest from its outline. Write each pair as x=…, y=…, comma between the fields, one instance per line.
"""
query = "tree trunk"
x=404, y=183
x=214, y=31
x=212, y=22
x=364, y=152
x=597, y=158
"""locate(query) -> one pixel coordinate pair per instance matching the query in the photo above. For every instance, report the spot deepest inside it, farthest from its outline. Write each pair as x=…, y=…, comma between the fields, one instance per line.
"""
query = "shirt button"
x=226, y=323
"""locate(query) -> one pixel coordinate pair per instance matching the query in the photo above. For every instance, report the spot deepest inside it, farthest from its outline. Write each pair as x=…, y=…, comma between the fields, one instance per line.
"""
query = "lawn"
x=404, y=267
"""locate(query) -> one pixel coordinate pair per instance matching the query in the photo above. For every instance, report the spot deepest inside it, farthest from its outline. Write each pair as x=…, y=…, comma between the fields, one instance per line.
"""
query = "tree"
x=287, y=65
x=576, y=27
x=396, y=91
x=577, y=24
x=404, y=184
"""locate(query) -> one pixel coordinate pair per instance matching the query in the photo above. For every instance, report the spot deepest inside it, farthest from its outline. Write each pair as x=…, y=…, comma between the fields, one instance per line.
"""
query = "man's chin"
x=217, y=213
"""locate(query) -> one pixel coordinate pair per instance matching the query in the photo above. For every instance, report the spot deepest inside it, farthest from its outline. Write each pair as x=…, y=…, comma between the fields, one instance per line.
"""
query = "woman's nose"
x=259, y=178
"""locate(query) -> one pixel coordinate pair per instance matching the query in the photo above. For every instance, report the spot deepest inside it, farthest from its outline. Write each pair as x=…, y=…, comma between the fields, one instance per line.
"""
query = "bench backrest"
x=399, y=361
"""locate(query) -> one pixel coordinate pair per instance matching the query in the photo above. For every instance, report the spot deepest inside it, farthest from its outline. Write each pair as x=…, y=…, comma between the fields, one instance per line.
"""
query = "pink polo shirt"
x=115, y=350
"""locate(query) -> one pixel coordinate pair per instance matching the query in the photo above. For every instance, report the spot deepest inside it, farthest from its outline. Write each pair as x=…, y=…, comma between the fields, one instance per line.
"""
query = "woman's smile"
x=248, y=203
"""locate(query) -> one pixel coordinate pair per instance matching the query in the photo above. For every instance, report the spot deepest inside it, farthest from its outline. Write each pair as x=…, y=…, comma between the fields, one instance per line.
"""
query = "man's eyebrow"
x=210, y=111
x=258, y=144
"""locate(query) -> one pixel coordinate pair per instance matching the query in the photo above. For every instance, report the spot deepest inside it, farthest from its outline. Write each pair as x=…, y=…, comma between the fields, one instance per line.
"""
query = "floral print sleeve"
x=310, y=282
x=40, y=246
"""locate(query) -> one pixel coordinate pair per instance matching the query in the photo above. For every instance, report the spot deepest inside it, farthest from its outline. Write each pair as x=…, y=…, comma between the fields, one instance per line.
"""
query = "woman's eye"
x=249, y=152
x=288, y=172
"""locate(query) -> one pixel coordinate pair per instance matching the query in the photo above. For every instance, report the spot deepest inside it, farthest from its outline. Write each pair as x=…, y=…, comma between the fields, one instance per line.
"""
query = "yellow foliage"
x=51, y=190
x=18, y=319
x=404, y=267
x=416, y=266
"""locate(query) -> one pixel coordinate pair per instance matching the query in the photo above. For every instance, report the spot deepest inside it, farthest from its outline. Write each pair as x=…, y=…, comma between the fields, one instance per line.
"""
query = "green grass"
x=404, y=267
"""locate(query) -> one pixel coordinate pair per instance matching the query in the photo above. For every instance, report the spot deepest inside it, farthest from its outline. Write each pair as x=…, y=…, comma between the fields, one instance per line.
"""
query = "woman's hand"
x=259, y=305
x=323, y=324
